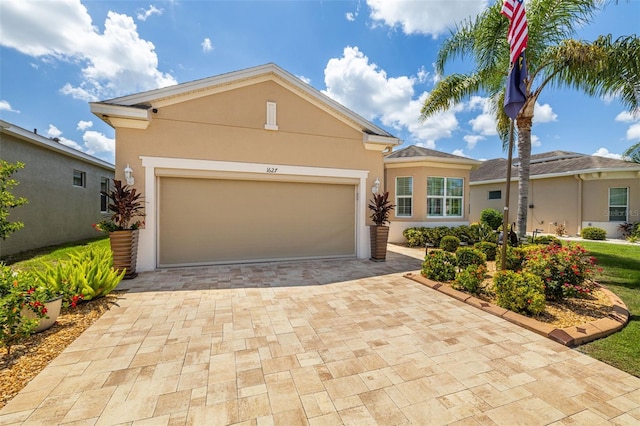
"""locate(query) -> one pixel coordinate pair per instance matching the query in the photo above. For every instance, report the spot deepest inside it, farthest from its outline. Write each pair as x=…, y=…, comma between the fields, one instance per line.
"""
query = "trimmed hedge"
x=593, y=233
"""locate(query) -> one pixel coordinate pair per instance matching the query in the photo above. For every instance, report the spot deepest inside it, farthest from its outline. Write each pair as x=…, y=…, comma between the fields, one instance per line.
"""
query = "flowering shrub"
x=470, y=279
x=515, y=257
x=467, y=256
x=439, y=265
x=567, y=271
x=519, y=292
x=488, y=248
x=19, y=291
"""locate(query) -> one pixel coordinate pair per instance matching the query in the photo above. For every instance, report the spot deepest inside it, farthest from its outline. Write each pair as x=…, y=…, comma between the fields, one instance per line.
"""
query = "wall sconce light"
x=376, y=186
x=128, y=175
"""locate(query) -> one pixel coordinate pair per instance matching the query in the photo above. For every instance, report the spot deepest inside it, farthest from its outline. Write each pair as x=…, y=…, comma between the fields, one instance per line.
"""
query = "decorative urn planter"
x=379, y=237
x=53, y=311
x=124, y=246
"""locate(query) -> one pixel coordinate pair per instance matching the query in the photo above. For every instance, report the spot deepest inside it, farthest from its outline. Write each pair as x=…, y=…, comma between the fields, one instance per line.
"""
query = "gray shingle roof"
x=548, y=163
x=418, y=151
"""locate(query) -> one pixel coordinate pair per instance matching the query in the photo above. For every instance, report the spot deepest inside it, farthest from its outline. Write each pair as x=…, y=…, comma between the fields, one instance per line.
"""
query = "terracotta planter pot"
x=53, y=310
x=124, y=246
x=379, y=237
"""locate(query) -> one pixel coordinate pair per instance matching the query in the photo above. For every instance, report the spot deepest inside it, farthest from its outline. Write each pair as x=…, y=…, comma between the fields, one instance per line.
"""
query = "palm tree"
x=598, y=68
x=633, y=153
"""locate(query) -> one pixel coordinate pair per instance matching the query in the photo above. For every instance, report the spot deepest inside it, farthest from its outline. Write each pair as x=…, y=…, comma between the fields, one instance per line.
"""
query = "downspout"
x=579, y=206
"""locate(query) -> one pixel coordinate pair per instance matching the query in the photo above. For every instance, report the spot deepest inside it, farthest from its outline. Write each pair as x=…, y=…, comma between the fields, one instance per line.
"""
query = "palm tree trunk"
x=524, y=158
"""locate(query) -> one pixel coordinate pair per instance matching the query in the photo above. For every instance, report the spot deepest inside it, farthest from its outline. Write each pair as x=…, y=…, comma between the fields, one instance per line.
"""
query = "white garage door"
x=208, y=221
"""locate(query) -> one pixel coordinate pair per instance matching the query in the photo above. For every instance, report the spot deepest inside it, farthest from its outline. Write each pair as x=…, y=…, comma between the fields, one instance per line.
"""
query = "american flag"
x=518, y=34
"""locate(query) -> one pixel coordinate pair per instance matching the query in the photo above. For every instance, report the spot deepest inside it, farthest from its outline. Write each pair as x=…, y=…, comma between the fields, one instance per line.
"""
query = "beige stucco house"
x=62, y=187
x=430, y=188
x=568, y=188
x=253, y=165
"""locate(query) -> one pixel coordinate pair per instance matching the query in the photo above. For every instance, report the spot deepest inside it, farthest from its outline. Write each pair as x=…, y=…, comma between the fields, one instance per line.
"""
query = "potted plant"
x=126, y=205
x=380, y=207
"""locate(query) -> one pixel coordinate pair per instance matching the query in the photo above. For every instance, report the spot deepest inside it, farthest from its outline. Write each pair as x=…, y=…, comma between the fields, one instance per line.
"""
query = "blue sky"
x=375, y=57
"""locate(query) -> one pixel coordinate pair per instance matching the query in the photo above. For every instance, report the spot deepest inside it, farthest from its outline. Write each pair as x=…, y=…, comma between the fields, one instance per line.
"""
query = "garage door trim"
x=148, y=253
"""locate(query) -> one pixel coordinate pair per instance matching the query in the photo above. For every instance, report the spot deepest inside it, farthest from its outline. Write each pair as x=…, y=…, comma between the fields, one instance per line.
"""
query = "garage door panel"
x=214, y=220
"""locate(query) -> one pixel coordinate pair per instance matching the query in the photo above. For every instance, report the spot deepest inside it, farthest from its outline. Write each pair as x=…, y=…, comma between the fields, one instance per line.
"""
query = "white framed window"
x=404, y=196
x=495, y=195
x=272, y=123
x=618, y=204
x=79, y=178
x=445, y=197
x=104, y=201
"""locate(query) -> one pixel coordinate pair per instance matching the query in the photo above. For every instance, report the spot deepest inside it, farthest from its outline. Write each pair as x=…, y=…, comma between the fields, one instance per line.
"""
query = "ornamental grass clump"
x=439, y=265
x=521, y=292
x=85, y=276
x=567, y=271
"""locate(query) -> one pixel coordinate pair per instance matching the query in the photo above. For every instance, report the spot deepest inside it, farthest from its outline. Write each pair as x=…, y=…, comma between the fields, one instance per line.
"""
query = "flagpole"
x=505, y=217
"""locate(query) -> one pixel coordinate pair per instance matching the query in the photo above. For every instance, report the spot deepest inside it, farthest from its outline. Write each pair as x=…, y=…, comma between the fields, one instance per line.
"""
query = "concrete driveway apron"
x=316, y=342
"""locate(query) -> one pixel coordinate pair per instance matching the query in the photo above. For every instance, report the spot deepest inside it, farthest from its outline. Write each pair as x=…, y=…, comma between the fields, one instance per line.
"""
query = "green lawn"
x=30, y=259
x=621, y=274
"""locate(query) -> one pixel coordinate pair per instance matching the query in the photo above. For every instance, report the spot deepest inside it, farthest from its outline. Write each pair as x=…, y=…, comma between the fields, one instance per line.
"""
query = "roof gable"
x=412, y=155
x=135, y=110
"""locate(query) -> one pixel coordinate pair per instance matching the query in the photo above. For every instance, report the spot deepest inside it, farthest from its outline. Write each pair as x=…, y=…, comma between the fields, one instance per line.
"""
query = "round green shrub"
x=489, y=249
x=450, y=243
x=470, y=279
x=515, y=258
x=467, y=256
x=593, y=233
x=520, y=292
x=491, y=217
x=439, y=265
x=547, y=240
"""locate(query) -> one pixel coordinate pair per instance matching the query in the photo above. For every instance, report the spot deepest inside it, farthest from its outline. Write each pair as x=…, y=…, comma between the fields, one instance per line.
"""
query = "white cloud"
x=543, y=113
x=350, y=16
x=366, y=89
x=144, y=14
x=424, y=17
x=535, y=141
x=206, y=45
x=97, y=142
x=305, y=79
x=604, y=152
x=84, y=125
x=627, y=117
x=460, y=153
x=485, y=123
x=472, y=140
x=633, y=132
x=6, y=106
x=53, y=131
x=114, y=62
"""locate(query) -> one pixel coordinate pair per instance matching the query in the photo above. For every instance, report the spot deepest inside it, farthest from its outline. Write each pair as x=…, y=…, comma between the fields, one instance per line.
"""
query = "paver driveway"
x=320, y=343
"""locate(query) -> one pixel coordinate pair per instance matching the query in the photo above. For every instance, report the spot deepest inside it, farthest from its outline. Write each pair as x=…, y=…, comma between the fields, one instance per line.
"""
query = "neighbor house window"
x=618, y=204
x=445, y=197
x=79, y=178
x=104, y=201
x=495, y=195
x=404, y=196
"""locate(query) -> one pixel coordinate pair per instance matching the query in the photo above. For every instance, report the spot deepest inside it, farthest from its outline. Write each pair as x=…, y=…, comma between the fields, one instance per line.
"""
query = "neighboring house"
x=430, y=188
x=253, y=165
x=62, y=186
x=565, y=188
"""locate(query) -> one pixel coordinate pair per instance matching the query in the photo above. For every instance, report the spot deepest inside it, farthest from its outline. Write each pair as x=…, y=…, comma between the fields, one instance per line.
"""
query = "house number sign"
x=272, y=170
